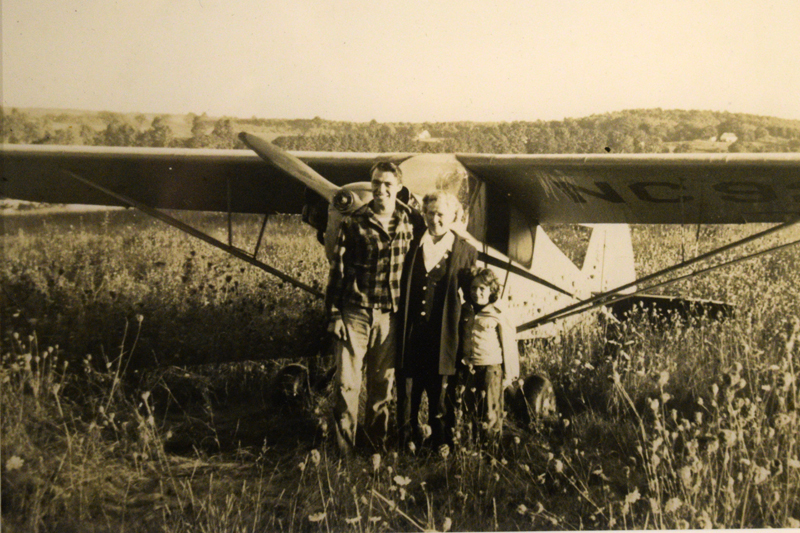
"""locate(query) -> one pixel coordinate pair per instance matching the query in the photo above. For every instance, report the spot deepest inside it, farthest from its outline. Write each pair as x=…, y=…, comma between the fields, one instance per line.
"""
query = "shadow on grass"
x=228, y=408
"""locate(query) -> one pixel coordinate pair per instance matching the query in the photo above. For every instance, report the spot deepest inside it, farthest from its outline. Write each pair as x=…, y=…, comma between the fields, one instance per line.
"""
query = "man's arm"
x=334, y=294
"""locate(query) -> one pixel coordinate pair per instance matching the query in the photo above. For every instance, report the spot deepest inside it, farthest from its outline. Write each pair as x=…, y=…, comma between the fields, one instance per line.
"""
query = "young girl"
x=489, y=356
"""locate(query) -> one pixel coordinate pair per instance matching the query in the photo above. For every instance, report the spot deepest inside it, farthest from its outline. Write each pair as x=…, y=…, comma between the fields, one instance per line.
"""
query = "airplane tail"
x=609, y=259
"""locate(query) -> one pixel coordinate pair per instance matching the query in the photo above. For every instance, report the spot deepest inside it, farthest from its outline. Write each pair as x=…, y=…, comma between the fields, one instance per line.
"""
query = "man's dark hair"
x=484, y=276
x=387, y=166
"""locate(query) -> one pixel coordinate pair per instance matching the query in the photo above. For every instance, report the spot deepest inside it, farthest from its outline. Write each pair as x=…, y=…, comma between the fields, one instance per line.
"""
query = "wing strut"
x=679, y=278
x=230, y=216
x=508, y=267
x=585, y=305
x=261, y=234
x=232, y=250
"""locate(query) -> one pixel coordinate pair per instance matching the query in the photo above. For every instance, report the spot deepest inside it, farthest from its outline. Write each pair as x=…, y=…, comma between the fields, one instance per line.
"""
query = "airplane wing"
x=629, y=188
x=545, y=189
x=168, y=178
x=646, y=188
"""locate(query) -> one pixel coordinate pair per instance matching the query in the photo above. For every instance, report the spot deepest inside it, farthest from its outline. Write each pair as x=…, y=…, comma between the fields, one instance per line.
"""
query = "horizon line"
x=83, y=110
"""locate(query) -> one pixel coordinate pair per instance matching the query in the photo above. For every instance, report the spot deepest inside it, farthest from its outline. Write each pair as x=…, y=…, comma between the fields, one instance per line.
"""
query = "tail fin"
x=609, y=258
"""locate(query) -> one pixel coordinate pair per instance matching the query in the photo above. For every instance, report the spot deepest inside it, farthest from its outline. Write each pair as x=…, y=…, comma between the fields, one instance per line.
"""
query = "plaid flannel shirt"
x=368, y=261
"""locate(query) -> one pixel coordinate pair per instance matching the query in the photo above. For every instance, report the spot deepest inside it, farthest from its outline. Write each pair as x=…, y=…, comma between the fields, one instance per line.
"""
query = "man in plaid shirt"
x=362, y=298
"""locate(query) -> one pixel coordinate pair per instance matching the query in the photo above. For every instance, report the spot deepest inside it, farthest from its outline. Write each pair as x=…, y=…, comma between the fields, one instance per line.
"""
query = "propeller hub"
x=343, y=200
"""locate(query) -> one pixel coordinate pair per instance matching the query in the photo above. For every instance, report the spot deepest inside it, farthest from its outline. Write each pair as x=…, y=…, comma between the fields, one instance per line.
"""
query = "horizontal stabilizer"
x=670, y=305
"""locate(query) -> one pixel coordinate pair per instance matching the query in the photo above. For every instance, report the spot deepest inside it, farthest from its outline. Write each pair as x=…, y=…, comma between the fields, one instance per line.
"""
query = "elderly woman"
x=433, y=284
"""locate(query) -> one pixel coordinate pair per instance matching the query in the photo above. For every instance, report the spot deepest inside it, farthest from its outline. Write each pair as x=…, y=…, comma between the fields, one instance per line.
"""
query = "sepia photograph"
x=399, y=266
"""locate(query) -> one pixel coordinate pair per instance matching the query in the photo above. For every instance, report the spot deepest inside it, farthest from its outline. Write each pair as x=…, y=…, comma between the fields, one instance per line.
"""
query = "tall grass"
x=668, y=423
x=86, y=274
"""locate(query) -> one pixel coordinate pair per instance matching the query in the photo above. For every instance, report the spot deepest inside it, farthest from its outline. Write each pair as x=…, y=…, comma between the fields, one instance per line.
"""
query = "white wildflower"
x=401, y=481
x=729, y=437
x=447, y=524
x=315, y=457
x=761, y=475
x=633, y=497
x=426, y=431
x=444, y=451
x=673, y=504
x=704, y=521
x=685, y=473
x=14, y=463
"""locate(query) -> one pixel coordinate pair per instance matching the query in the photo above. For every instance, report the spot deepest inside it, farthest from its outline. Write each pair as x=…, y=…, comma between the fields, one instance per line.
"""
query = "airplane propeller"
x=291, y=165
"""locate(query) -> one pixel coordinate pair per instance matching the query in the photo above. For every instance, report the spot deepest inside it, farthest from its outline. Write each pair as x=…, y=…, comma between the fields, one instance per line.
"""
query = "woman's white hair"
x=446, y=198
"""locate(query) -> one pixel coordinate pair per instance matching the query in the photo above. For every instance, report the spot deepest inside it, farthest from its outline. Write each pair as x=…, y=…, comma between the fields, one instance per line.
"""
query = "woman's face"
x=439, y=216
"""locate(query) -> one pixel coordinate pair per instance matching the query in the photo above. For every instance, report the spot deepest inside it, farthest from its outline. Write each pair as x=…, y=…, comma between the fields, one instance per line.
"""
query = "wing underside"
x=202, y=180
x=633, y=188
x=646, y=189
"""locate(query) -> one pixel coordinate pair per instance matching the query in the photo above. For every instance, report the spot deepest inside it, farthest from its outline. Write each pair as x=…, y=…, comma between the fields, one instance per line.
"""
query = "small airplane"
x=506, y=200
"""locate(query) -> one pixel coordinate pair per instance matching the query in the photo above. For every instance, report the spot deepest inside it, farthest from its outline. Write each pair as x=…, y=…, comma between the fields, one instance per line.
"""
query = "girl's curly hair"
x=484, y=276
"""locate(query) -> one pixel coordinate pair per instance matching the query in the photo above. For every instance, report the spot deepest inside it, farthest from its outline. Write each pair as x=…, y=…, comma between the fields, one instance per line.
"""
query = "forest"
x=630, y=131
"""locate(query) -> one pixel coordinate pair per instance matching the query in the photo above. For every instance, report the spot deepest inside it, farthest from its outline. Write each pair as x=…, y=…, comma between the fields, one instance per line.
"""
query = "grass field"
x=670, y=423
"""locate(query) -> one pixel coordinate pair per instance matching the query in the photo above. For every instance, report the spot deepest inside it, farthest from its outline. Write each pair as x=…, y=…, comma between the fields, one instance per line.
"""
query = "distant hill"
x=630, y=131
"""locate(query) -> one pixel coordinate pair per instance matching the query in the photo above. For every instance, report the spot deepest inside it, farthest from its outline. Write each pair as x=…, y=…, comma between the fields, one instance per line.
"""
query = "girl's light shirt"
x=487, y=348
x=494, y=342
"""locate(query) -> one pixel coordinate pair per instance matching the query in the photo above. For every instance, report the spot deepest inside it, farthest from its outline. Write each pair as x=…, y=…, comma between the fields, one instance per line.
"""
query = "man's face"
x=439, y=216
x=385, y=187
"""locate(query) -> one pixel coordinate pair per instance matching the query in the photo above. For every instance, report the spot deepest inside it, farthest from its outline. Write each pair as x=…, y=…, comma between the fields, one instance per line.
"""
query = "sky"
x=402, y=61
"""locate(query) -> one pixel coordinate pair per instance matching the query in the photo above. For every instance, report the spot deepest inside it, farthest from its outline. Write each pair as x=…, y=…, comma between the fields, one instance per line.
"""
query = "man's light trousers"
x=371, y=344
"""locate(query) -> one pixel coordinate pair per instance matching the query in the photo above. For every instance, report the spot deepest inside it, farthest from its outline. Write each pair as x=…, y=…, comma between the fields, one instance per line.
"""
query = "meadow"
x=139, y=393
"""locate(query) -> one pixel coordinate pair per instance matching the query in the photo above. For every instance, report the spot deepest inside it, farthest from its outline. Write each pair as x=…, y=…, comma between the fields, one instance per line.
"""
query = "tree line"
x=631, y=131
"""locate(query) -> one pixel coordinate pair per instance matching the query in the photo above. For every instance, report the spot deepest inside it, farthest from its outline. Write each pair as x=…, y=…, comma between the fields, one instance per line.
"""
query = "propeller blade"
x=291, y=165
